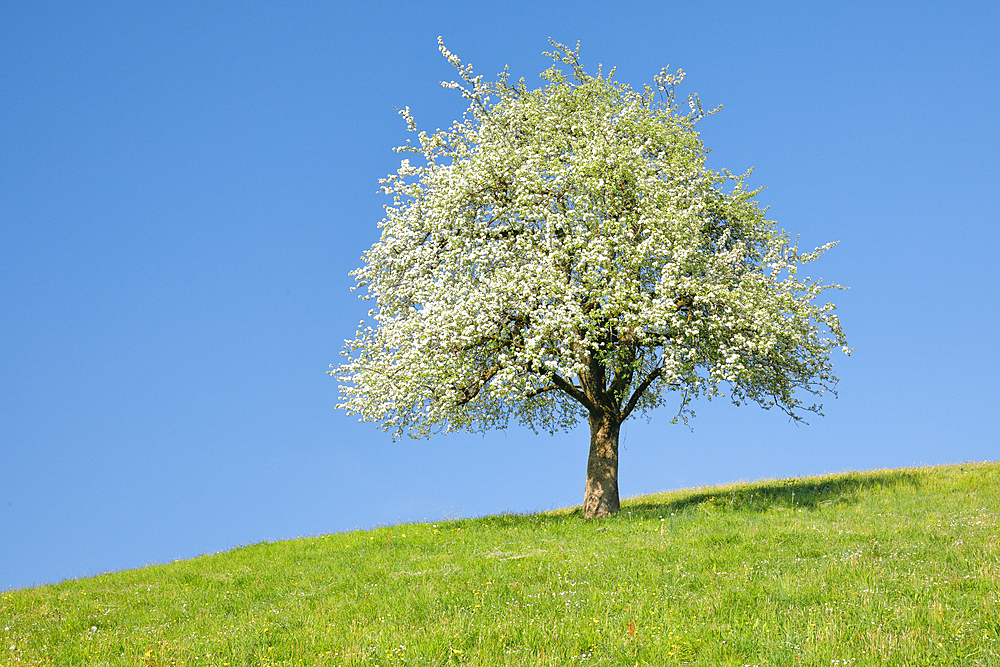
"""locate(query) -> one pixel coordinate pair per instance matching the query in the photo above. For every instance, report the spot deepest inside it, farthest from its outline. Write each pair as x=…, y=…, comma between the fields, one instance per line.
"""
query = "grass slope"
x=886, y=567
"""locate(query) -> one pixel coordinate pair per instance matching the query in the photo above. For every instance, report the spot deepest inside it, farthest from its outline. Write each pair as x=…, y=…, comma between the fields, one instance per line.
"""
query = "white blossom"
x=570, y=235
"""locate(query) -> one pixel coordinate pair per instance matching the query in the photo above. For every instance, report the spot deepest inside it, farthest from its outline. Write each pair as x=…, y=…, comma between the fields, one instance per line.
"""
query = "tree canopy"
x=563, y=253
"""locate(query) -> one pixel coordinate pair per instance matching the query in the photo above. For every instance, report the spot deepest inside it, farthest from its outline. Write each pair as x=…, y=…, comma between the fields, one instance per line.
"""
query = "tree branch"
x=575, y=393
x=471, y=393
x=623, y=377
x=541, y=390
x=640, y=390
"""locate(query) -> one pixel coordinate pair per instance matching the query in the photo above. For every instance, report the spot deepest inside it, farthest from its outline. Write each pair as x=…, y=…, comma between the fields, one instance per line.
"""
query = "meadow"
x=887, y=567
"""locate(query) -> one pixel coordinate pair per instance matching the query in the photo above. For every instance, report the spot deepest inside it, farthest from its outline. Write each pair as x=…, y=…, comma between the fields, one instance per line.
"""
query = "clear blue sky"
x=184, y=188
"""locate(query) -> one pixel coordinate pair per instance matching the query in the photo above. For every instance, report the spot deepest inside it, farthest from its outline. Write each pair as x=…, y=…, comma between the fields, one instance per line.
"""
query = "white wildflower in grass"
x=563, y=253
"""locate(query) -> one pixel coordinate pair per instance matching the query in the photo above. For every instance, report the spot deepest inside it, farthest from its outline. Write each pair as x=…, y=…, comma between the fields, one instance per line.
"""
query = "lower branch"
x=640, y=390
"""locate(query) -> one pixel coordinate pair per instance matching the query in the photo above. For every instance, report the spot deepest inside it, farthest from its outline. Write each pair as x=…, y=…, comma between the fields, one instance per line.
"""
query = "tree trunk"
x=601, y=495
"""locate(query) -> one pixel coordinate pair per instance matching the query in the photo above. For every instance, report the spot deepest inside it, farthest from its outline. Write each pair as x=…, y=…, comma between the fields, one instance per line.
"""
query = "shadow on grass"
x=751, y=497
x=799, y=493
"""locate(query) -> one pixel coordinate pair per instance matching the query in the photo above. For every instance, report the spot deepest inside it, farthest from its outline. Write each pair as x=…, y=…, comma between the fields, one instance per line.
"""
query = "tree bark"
x=600, y=497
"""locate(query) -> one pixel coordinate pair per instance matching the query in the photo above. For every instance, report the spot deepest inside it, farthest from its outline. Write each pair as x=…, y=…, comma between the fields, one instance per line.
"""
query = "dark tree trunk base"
x=601, y=494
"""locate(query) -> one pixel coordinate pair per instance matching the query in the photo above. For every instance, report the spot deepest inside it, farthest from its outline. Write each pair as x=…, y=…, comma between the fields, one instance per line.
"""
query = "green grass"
x=894, y=567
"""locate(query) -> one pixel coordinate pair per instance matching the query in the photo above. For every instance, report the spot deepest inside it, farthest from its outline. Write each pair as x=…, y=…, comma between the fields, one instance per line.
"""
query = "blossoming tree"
x=563, y=253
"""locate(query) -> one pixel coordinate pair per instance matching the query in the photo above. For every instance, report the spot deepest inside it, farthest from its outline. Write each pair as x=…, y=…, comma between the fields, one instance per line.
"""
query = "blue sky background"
x=184, y=187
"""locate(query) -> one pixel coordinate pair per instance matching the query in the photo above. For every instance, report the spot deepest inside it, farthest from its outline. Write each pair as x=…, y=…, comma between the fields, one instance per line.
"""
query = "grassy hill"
x=896, y=567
